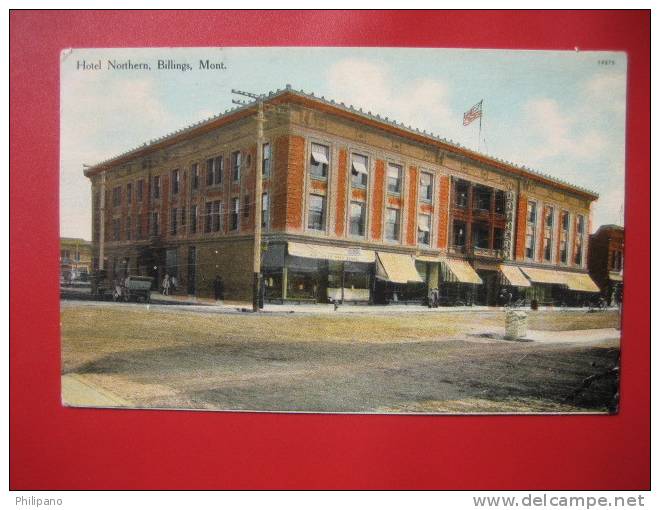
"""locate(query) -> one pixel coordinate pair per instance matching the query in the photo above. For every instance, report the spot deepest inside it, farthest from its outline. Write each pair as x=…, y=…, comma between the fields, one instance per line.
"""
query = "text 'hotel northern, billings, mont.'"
x=355, y=207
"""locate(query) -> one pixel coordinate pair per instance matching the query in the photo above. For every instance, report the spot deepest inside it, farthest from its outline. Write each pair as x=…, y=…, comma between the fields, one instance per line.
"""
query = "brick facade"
x=521, y=228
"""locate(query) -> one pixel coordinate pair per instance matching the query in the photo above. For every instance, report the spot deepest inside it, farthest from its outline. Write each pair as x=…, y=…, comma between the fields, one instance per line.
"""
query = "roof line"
x=422, y=136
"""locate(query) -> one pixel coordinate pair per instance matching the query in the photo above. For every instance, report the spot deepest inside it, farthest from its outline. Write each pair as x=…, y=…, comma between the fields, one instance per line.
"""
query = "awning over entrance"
x=514, y=276
x=615, y=277
x=459, y=271
x=580, y=282
x=397, y=268
x=318, y=251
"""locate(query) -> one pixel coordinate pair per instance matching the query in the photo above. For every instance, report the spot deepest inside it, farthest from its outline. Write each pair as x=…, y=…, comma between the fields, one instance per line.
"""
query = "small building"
x=355, y=207
x=606, y=261
x=75, y=259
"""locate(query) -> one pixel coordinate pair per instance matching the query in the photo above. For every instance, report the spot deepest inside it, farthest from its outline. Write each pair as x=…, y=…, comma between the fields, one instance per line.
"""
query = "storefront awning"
x=514, y=276
x=615, y=277
x=427, y=258
x=550, y=276
x=581, y=282
x=317, y=251
x=460, y=271
x=397, y=268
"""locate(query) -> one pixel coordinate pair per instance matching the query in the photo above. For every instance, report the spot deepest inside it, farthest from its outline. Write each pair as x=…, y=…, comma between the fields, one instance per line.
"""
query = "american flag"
x=473, y=113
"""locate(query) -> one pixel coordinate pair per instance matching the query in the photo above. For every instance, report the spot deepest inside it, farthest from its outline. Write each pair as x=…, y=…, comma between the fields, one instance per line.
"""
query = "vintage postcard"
x=342, y=230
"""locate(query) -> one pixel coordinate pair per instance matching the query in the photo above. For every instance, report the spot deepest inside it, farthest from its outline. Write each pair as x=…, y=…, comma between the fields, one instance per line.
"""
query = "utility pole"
x=258, y=186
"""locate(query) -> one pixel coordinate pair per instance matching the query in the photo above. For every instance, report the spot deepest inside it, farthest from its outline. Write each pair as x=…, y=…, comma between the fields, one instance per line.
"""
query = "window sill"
x=318, y=177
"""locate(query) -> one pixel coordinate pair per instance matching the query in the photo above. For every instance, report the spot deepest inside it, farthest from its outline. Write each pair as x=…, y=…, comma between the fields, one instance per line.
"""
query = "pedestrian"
x=166, y=285
x=218, y=288
x=436, y=297
x=430, y=297
x=174, y=283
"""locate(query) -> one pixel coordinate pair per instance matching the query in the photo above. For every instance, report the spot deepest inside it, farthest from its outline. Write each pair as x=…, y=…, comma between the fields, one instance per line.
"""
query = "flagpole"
x=480, y=117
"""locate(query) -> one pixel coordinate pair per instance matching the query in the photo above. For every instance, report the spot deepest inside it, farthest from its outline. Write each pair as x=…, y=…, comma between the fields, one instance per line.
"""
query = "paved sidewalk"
x=78, y=392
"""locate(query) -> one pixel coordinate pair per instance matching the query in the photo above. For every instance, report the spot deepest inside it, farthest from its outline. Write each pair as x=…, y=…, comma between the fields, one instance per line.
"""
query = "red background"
x=52, y=447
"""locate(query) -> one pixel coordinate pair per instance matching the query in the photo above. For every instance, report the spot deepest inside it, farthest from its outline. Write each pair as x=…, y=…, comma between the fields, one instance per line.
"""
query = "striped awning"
x=514, y=276
x=459, y=271
x=397, y=268
x=580, y=282
x=318, y=251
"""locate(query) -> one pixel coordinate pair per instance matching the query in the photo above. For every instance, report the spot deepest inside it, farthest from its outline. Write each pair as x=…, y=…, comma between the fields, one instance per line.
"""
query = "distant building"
x=606, y=261
x=355, y=207
x=75, y=258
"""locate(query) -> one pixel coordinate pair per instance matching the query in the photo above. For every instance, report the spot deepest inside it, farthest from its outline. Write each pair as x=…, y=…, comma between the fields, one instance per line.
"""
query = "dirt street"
x=374, y=362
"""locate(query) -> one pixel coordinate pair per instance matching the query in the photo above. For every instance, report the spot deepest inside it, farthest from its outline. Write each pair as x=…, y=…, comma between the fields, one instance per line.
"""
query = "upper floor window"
x=359, y=172
x=116, y=229
x=316, y=213
x=218, y=169
x=548, y=233
x=481, y=235
x=140, y=190
x=563, y=237
x=193, y=219
x=265, y=163
x=458, y=229
x=128, y=228
x=264, y=210
x=579, y=240
x=392, y=222
x=173, y=221
x=481, y=196
x=208, y=217
x=426, y=186
x=357, y=219
x=394, y=178
x=236, y=165
x=217, y=214
x=246, y=206
x=424, y=229
x=319, y=162
x=129, y=193
x=116, y=196
x=500, y=202
x=235, y=208
x=461, y=191
x=530, y=239
x=194, y=176
x=617, y=260
x=155, y=223
x=176, y=181
x=156, y=186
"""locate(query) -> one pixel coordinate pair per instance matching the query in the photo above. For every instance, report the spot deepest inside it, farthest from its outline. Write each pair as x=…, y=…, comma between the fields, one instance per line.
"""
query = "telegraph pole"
x=258, y=187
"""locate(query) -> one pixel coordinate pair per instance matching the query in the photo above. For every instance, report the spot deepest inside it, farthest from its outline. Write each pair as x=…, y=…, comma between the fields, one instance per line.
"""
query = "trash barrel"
x=515, y=325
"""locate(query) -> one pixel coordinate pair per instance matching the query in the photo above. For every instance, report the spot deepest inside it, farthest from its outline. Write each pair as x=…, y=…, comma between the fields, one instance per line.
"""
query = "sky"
x=561, y=113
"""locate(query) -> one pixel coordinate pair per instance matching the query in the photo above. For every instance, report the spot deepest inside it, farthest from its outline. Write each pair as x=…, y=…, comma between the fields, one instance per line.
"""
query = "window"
x=264, y=210
x=547, y=233
x=128, y=228
x=173, y=220
x=530, y=239
x=183, y=216
x=356, y=227
x=424, y=229
x=176, y=181
x=461, y=191
x=246, y=206
x=236, y=166
x=318, y=164
x=579, y=239
x=392, y=221
x=116, y=196
x=359, y=172
x=193, y=219
x=393, y=178
x=209, y=172
x=498, y=239
x=194, y=176
x=426, y=186
x=316, y=214
x=155, y=223
x=235, y=208
x=116, y=230
x=458, y=230
x=217, y=208
x=140, y=190
x=617, y=260
x=208, y=217
x=265, y=163
x=500, y=202
x=138, y=227
x=563, y=239
x=481, y=235
x=156, y=184
x=218, y=168
x=129, y=193
x=481, y=196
